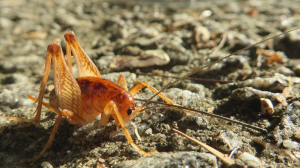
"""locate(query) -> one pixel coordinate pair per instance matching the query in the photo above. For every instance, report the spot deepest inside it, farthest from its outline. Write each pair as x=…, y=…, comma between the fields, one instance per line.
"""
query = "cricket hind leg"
x=42, y=90
x=110, y=109
x=84, y=64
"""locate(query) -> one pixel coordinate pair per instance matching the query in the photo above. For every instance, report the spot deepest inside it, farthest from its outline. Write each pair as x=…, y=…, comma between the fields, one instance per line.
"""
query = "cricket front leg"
x=110, y=109
x=141, y=85
x=138, y=87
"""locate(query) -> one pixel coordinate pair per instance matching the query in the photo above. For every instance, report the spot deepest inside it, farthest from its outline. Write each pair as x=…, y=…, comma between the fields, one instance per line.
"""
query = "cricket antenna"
x=197, y=70
x=198, y=112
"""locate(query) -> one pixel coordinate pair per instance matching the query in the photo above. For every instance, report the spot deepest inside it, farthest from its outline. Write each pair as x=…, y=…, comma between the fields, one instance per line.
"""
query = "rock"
x=181, y=16
x=227, y=141
x=9, y=98
x=290, y=144
x=202, y=122
x=178, y=159
x=196, y=88
x=5, y=22
x=144, y=59
x=13, y=64
x=249, y=160
x=285, y=71
x=46, y=165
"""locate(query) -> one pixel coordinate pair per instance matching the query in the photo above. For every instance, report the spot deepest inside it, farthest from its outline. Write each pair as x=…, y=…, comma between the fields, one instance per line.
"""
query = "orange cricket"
x=82, y=99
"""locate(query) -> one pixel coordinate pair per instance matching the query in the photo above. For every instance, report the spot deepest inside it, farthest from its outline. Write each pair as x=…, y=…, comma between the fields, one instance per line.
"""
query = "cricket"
x=80, y=100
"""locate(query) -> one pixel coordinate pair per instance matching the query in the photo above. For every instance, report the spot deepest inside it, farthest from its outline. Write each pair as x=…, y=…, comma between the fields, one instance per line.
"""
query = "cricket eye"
x=129, y=111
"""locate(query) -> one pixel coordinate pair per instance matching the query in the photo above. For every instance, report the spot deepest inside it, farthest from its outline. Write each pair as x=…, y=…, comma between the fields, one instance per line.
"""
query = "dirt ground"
x=148, y=42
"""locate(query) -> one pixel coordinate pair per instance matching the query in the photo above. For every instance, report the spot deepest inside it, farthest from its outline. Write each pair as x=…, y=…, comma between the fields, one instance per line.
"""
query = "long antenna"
x=168, y=106
x=197, y=70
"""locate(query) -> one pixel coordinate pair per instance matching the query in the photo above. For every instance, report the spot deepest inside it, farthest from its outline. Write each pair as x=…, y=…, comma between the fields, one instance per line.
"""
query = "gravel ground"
x=140, y=40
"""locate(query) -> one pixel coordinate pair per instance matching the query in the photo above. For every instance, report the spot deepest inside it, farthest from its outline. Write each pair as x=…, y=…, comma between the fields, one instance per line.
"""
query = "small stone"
x=8, y=97
x=151, y=32
x=46, y=165
x=297, y=134
x=148, y=131
x=285, y=71
x=26, y=102
x=13, y=64
x=290, y=144
x=201, y=122
x=5, y=22
x=181, y=16
x=145, y=58
x=227, y=141
x=296, y=69
x=15, y=78
x=172, y=159
x=249, y=160
x=196, y=88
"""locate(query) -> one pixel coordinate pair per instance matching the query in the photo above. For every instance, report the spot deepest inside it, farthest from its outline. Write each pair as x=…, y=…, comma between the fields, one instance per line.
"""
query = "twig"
x=220, y=155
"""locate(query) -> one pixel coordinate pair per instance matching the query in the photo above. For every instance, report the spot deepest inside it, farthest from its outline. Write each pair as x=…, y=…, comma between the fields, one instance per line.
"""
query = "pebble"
x=181, y=16
x=145, y=58
x=5, y=22
x=285, y=71
x=9, y=97
x=290, y=144
x=148, y=131
x=196, y=88
x=13, y=64
x=15, y=78
x=46, y=164
x=171, y=159
x=227, y=141
x=201, y=122
x=249, y=160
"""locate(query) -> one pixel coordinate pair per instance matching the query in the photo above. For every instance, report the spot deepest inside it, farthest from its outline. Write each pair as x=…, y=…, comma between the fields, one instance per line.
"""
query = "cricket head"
x=126, y=107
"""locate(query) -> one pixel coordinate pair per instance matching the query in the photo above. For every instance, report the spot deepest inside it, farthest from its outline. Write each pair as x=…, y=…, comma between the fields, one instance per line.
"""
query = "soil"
x=156, y=42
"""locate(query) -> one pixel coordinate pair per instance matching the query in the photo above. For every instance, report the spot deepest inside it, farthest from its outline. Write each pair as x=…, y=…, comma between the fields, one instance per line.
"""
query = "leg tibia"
x=43, y=84
x=121, y=80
